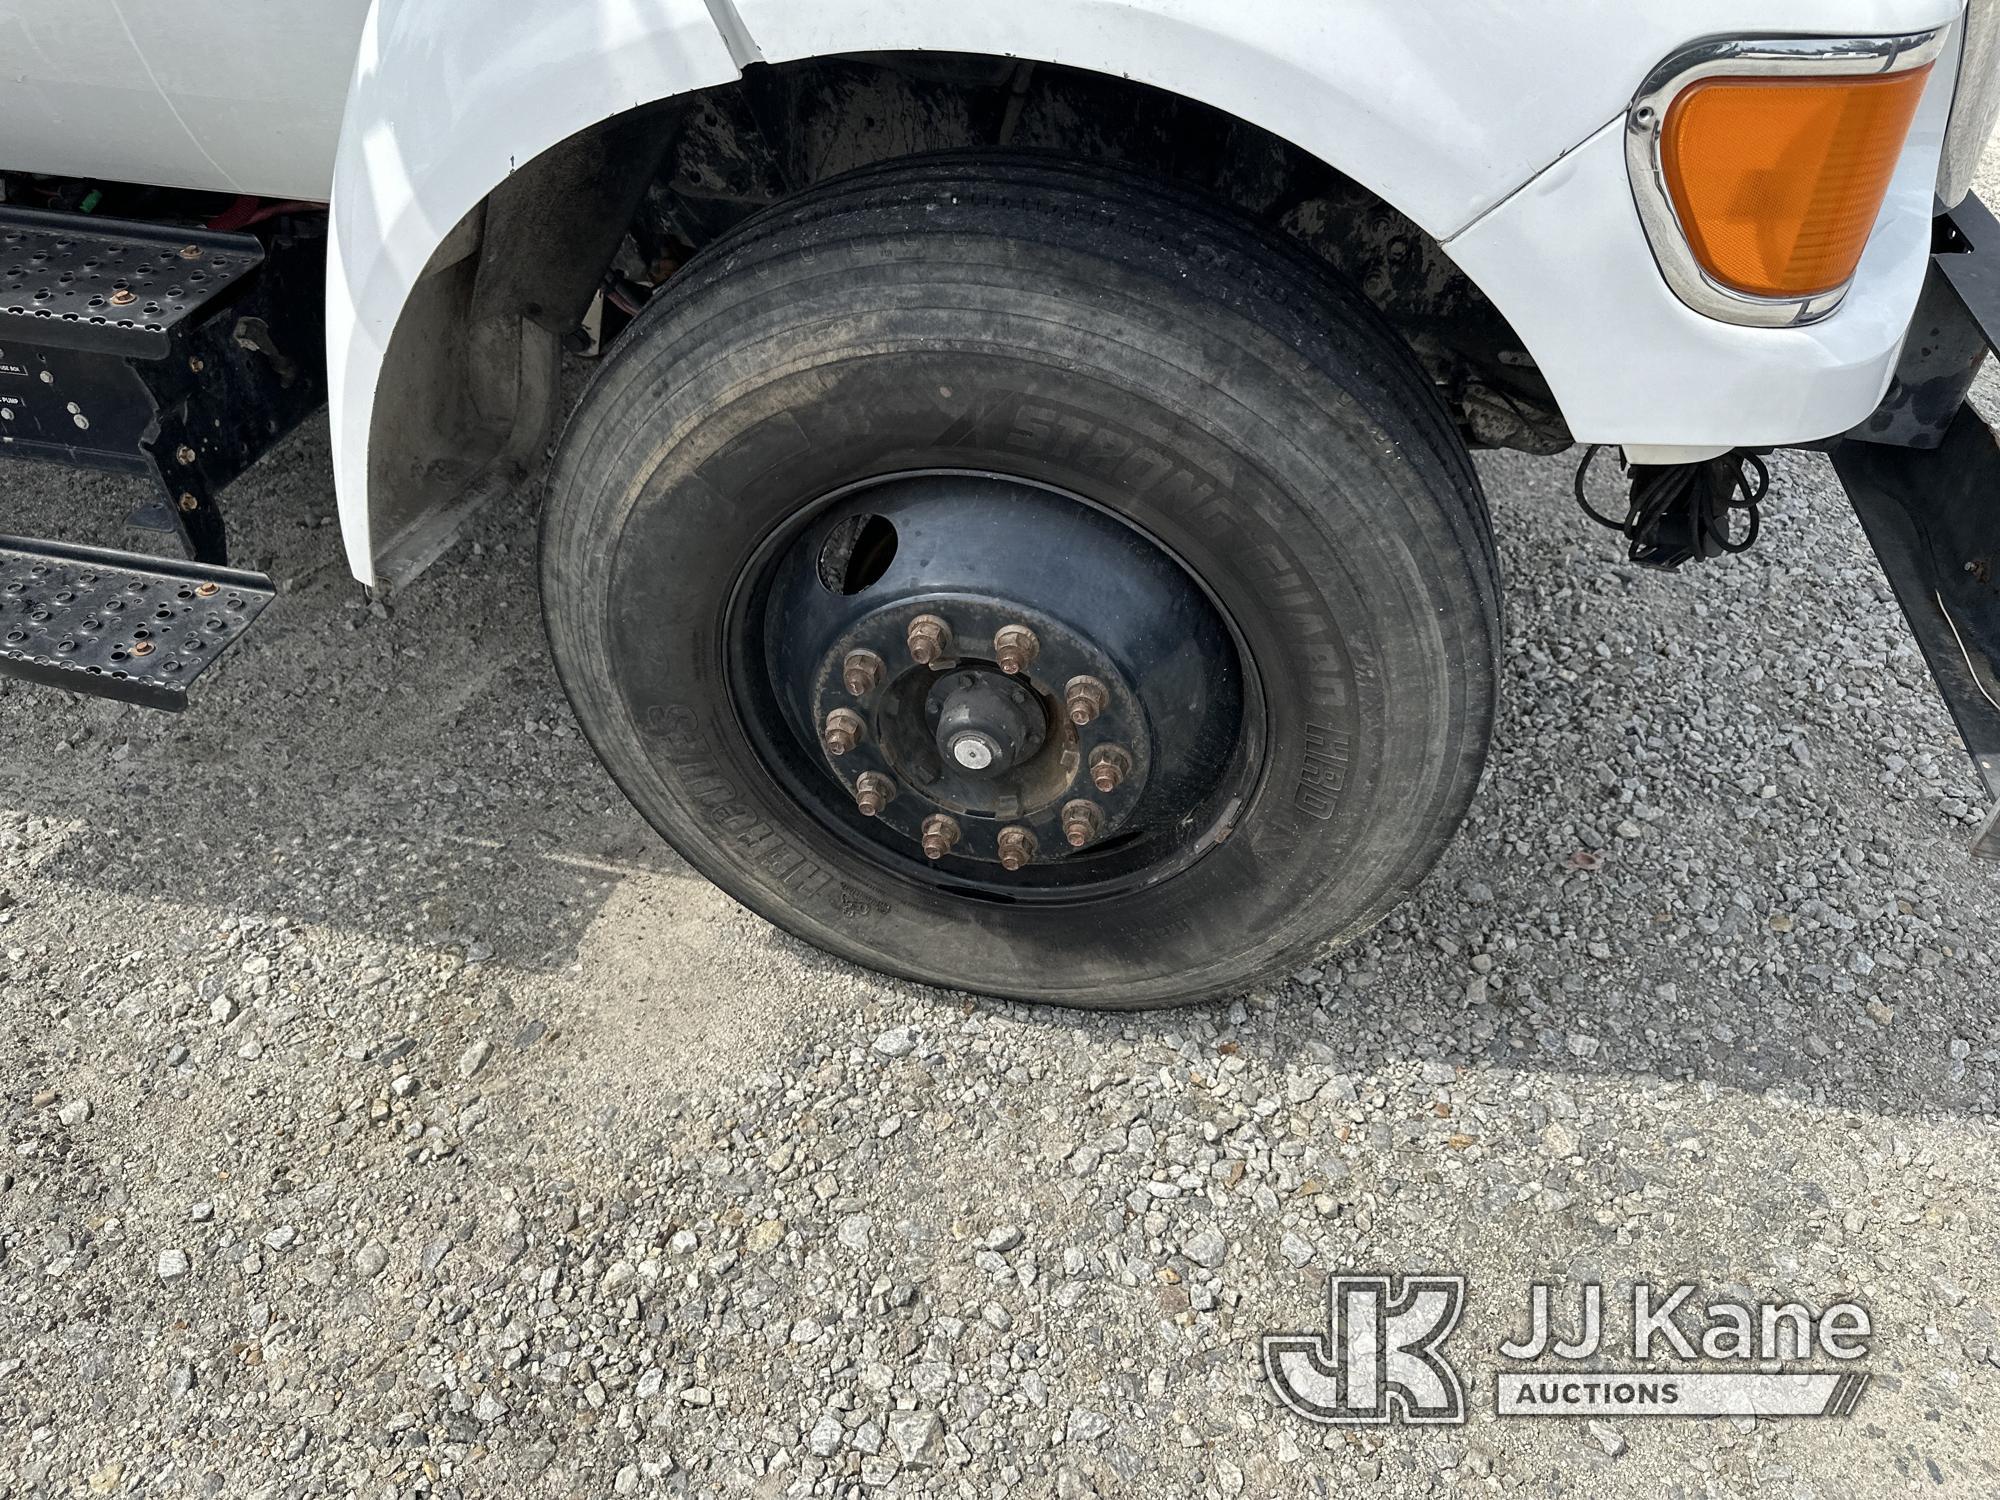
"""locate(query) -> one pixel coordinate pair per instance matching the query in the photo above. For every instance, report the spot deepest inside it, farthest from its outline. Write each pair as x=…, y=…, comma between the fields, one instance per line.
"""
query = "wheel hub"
x=957, y=734
x=999, y=684
x=987, y=723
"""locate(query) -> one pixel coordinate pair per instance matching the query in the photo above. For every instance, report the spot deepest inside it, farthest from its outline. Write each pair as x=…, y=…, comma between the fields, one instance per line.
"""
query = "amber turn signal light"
x=1777, y=181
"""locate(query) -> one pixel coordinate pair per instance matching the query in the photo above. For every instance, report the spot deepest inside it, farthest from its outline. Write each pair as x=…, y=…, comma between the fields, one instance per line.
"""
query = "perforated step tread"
x=118, y=624
x=79, y=282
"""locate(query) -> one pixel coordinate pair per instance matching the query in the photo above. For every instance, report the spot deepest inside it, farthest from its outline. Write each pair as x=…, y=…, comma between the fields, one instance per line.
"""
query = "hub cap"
x=987, y=723
x=994, y=685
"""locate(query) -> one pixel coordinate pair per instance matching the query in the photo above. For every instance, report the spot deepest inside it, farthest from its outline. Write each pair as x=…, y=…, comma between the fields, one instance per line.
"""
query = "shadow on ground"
x=411, y=774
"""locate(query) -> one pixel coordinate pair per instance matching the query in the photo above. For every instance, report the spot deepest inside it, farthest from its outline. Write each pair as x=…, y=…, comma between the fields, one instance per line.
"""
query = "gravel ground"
x=392, y=1115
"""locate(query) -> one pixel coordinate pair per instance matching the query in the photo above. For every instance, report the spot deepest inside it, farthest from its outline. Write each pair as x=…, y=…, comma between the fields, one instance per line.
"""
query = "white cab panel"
x=234, y=95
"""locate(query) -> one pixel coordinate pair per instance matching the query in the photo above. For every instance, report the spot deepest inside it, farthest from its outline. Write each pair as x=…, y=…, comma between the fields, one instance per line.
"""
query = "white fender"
x=1444, y=109
x=448, y=98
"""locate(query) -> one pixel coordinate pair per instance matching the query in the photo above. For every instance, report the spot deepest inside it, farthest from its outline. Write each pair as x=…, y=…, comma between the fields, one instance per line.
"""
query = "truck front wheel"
x=1023, y=578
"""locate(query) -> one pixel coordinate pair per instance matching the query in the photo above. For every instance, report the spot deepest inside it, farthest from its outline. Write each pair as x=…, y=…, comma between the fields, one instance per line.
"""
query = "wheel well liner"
x=468, y=388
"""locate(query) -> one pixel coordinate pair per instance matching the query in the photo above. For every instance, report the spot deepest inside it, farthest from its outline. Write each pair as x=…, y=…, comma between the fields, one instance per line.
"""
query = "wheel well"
x=778, y=129
x=468, y=388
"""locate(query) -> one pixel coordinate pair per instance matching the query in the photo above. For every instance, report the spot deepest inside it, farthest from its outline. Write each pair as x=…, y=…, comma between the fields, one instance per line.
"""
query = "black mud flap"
x=1933, y=518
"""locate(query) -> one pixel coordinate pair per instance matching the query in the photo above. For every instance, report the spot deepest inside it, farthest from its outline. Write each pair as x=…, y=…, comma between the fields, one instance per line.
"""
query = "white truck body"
x=1497, y=130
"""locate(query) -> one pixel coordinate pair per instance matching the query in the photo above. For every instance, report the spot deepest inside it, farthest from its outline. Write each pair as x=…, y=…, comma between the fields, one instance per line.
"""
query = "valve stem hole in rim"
x=856, y=553
x=1030, y=674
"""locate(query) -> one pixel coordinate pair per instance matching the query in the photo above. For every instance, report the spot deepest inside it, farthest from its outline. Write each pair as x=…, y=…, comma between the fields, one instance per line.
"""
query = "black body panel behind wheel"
x=1244, y=426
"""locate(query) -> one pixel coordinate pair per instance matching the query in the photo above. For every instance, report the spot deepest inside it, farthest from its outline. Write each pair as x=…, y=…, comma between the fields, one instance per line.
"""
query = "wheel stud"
x=872, y=792
x=929, y=640
x=1017, y=846
x=843, y=731
x=1081, y=822
x=1109, y=766
x=1085, y=698
x=940, y=833
x=861, y=672
x=1015, y=648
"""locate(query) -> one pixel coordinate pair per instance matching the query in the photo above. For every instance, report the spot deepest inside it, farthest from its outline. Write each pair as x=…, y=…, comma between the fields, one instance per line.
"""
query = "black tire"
x=1320, y=494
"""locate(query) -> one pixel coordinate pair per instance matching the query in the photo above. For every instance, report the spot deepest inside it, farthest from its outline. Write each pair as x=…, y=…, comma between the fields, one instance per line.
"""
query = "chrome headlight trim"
x=1762, y=57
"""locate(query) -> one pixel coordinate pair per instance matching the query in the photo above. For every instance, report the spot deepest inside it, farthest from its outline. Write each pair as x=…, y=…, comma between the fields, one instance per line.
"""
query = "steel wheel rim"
x=1192, y=731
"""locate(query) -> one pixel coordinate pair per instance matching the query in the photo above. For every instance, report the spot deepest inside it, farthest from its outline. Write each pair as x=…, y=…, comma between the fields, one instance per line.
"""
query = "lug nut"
x=940, y=833
x=1015, y=648
x=1017, y=846
x=1109, y=766
x=872, y=792
x=843, y=731
x=1085, y=698
x=929, y=640
x=1081, y=822
x=861, y=672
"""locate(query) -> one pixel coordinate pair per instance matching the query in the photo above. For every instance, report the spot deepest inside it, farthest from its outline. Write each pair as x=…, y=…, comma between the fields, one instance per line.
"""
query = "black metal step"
x=118, y=624
x=160, y=350
x=77, y=282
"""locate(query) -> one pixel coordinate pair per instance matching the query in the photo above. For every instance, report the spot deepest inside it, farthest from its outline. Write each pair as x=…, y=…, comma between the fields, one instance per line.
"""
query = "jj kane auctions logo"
x=1381, y=1359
